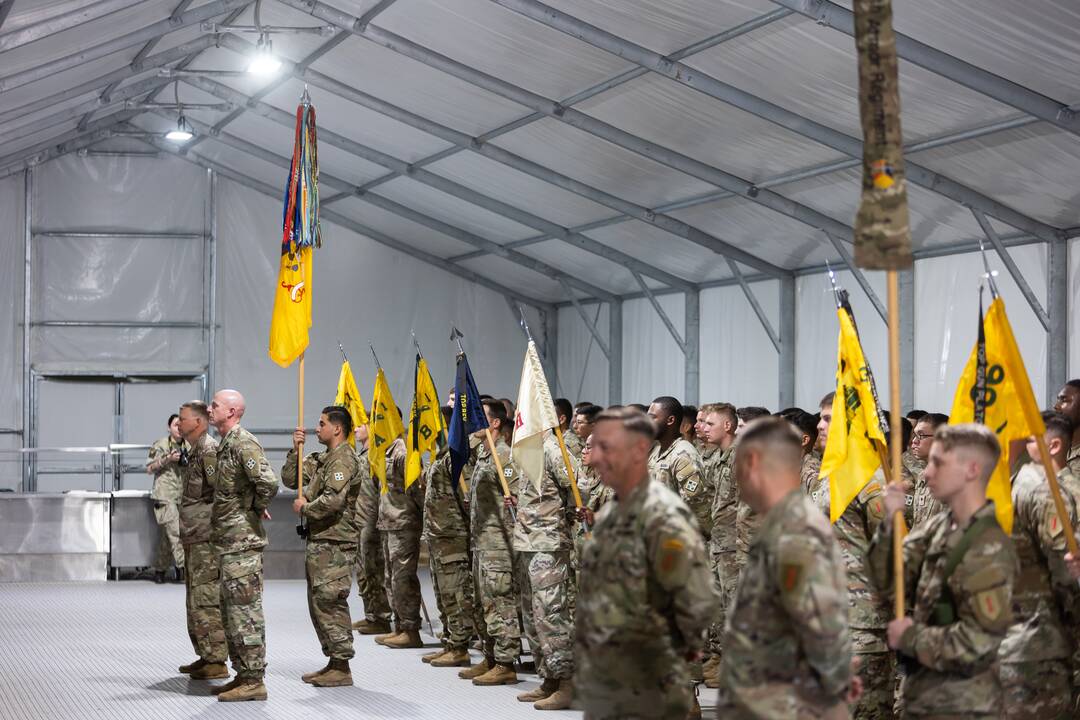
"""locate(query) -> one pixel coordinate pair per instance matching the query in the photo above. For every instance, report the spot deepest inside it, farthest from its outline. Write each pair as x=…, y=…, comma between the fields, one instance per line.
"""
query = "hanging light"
x=182, y=132
x=264, y=62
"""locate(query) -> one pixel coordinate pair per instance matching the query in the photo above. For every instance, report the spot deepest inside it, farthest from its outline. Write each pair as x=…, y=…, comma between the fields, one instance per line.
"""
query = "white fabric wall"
x=652, y=362
x=11, y=284
x=578, y=349
x=739, y=364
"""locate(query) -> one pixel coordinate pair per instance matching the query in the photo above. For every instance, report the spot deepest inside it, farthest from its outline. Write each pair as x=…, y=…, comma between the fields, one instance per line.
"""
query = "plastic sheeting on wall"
x=739, y=364
x=11, y=297
x=653, y=364
x=578, y=349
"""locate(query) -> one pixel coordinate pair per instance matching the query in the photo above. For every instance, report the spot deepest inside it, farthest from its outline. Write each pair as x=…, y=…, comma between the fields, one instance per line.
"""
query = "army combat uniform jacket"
x=446, y=525
x=679, y=467
x=542, y=522
x=400, y=509
x=959, y=619
x=244, y=485
x=197, y=497
x=332, y=481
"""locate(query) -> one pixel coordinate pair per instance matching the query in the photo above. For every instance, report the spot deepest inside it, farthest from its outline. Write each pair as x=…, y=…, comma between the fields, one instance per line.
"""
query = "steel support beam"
x=61, y=145
x=358, y=228
x=615, y=343
x=585, y=361
x=60, y=22
x=549, y=321
x=906, y=287
x=441, y=183
x=575, y=118
x=860, y=277
x=755, y=305
x=162, y=27
x=5, y=10
x=975, y=78
x=727, y=93
x=1057, y=339
x=465, y=141
x=590, y=325
x=28, y=439
x=660, y=311
x=786, y=365
x=210, y=312
x=1010, y=265
x=408, y=213
x=692, y=348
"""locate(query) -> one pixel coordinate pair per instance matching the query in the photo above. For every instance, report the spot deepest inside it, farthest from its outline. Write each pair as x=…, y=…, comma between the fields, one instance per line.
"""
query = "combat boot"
x=431, y=656
x=381, y=639
x=339, y=675
x=560, y=699
x=210, y=671
x=695, y=710
x=192, y=666
x=368, y=627
x=452, y=658
x=549, y=686
x=159, y=577
x=404, y=639
x=180, y=575
x=246, y=690
x=498, y=675
x=231, y=685
x=477, y=670
x=308, y=677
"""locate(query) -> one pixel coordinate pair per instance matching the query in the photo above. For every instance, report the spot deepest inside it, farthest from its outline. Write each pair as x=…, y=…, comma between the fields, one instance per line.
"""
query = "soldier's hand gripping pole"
x=502, y=475
x=570, y=474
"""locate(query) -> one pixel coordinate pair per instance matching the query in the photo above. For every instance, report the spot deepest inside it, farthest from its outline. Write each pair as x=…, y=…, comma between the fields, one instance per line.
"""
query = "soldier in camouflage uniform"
x=718, y=440
x=164, y=465
x=370, y=561
x=959, y=571
x=676, y=462
x=922, y=441
x=565, y=411
x=203, y=577
x=868, y=610
x=746, y=520
x=446, y=531
x=1068, y=404
x=544, y=544
x=493, y=558
x=332, y=481
x=594, y=495
x=400, y=522
x=646, y=597
x=787, y=650
x=584, y=417
x=244, y=485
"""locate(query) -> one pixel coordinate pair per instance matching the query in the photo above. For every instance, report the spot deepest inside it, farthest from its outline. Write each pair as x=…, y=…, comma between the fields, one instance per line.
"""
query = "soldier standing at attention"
x=332, y=481
x=203, y=577
x=370, y=561
x=646, y=596
x=787, y=651
x=244, y=485
x=676, y=462
x=959, y=571
x=584, y=417
x=493, y=561
x=164, y=465
x=446, y=531
x=922, y=441
x=1068, y=404
x=565, y=411
x=594, y=495
x=401, y=518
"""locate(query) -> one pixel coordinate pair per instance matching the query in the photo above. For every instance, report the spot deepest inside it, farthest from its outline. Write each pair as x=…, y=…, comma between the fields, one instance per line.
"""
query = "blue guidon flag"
x=468, y=417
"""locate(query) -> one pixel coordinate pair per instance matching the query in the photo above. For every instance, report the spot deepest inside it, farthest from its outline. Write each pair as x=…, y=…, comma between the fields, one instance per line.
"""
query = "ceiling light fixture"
x=182, y=132
x=264, y=62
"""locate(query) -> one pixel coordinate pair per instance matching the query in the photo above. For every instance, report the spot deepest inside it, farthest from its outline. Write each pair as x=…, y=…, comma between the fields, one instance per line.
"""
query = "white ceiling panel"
x=587, y=266
x=663, y=250
x=399, y=228
x=516, y=277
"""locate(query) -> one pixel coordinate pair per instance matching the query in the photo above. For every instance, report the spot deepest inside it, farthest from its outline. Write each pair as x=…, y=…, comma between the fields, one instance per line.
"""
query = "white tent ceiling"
x=439, y=126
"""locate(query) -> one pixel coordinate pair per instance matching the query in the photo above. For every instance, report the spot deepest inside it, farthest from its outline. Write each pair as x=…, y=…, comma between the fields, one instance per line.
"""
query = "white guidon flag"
x=535, y=414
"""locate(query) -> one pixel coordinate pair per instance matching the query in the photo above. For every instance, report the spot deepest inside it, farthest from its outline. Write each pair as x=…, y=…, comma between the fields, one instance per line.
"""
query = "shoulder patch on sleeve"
x=791, y=576
x=672, y=556
x=339, y=476
x=1053, y=523
x=990, y=604
x=876, y=508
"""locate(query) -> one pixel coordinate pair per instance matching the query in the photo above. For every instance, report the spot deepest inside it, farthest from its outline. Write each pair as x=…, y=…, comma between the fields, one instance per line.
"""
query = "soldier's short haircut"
x=1059, y=425
x=589, y=412
x=724, y=410
x=970, y=435
x=198, y=407
x=583, y=403
x=447, y=413
x=804, y=422
x=1074, y=384
x=827, y=400
x=639, y=407
x=564, y=408
x=669, y=405
x=338, y=415
x=934, y=420
x=631, y=419
x=906, y=428
x=776, y=437
x=916, y=415
x=172, y=417
x=751, y=413
x=689, y=412
x=497, y=411
x=508, y=405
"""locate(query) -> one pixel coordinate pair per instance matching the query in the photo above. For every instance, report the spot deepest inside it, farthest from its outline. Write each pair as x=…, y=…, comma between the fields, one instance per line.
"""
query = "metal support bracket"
x=660, y=311
x=752, y=299
x=860, y=278
x=1011, y=266
x=585, y=319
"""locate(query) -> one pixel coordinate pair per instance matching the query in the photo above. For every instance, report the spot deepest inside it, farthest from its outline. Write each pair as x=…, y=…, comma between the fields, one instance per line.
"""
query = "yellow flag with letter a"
x=425, y=423
x=994, y=390
x=348, y=397
x=850, y=458
x=385, y=427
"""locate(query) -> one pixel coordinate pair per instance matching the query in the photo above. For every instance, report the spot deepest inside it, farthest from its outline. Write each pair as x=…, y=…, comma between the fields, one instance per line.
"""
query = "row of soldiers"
x=728, y=564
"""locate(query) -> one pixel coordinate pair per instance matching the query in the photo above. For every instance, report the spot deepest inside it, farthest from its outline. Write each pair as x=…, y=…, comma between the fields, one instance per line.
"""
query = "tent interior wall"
x=474, y=150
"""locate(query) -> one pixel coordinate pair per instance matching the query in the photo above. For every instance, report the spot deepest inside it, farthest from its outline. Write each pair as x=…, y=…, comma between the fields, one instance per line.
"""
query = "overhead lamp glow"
x=264, y=62
x=181, y=133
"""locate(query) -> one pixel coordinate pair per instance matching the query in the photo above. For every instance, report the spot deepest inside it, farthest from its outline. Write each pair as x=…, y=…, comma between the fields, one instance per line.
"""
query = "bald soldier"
x=244, y=485
x=327, y=506
x=676, y=462
x=203, y=577
x=646, y=595
x=787, y=651
x=959, y=572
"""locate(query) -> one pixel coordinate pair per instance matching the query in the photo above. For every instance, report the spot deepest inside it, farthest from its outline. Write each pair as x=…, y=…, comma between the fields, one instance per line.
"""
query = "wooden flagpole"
x=300, y=423
x=895, y=433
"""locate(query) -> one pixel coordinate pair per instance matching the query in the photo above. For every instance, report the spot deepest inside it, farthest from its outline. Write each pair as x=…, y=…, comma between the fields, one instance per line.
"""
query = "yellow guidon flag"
x=425, y=422
x=994, y=390
x=348, y=397
x=385, y=427
x=850, y=457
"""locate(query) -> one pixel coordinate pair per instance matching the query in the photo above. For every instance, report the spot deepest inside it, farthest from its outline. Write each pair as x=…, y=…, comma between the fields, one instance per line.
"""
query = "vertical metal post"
x=551, y=347
x=118, y=435
x=28, y=482
x=1057, y=300
x=906, y=288
x=211, y=291
x=692, y=339
x=615, y=328
x=786, y=365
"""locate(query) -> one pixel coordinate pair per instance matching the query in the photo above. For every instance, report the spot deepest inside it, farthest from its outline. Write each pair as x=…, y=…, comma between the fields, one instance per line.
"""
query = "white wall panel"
x=653, y=364
x=578, y=349
x=739, y=364
x=1074, y=317
x=11, y=284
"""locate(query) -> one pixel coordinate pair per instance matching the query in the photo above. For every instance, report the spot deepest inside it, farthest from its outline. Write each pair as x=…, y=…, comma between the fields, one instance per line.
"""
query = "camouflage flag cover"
x=882, y=233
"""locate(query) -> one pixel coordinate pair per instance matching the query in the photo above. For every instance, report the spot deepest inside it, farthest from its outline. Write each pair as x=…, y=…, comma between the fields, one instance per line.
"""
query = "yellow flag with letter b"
x=994, y=390
x=425, y=422
x=850, y=458
x=348, y=397
x=385, y=427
